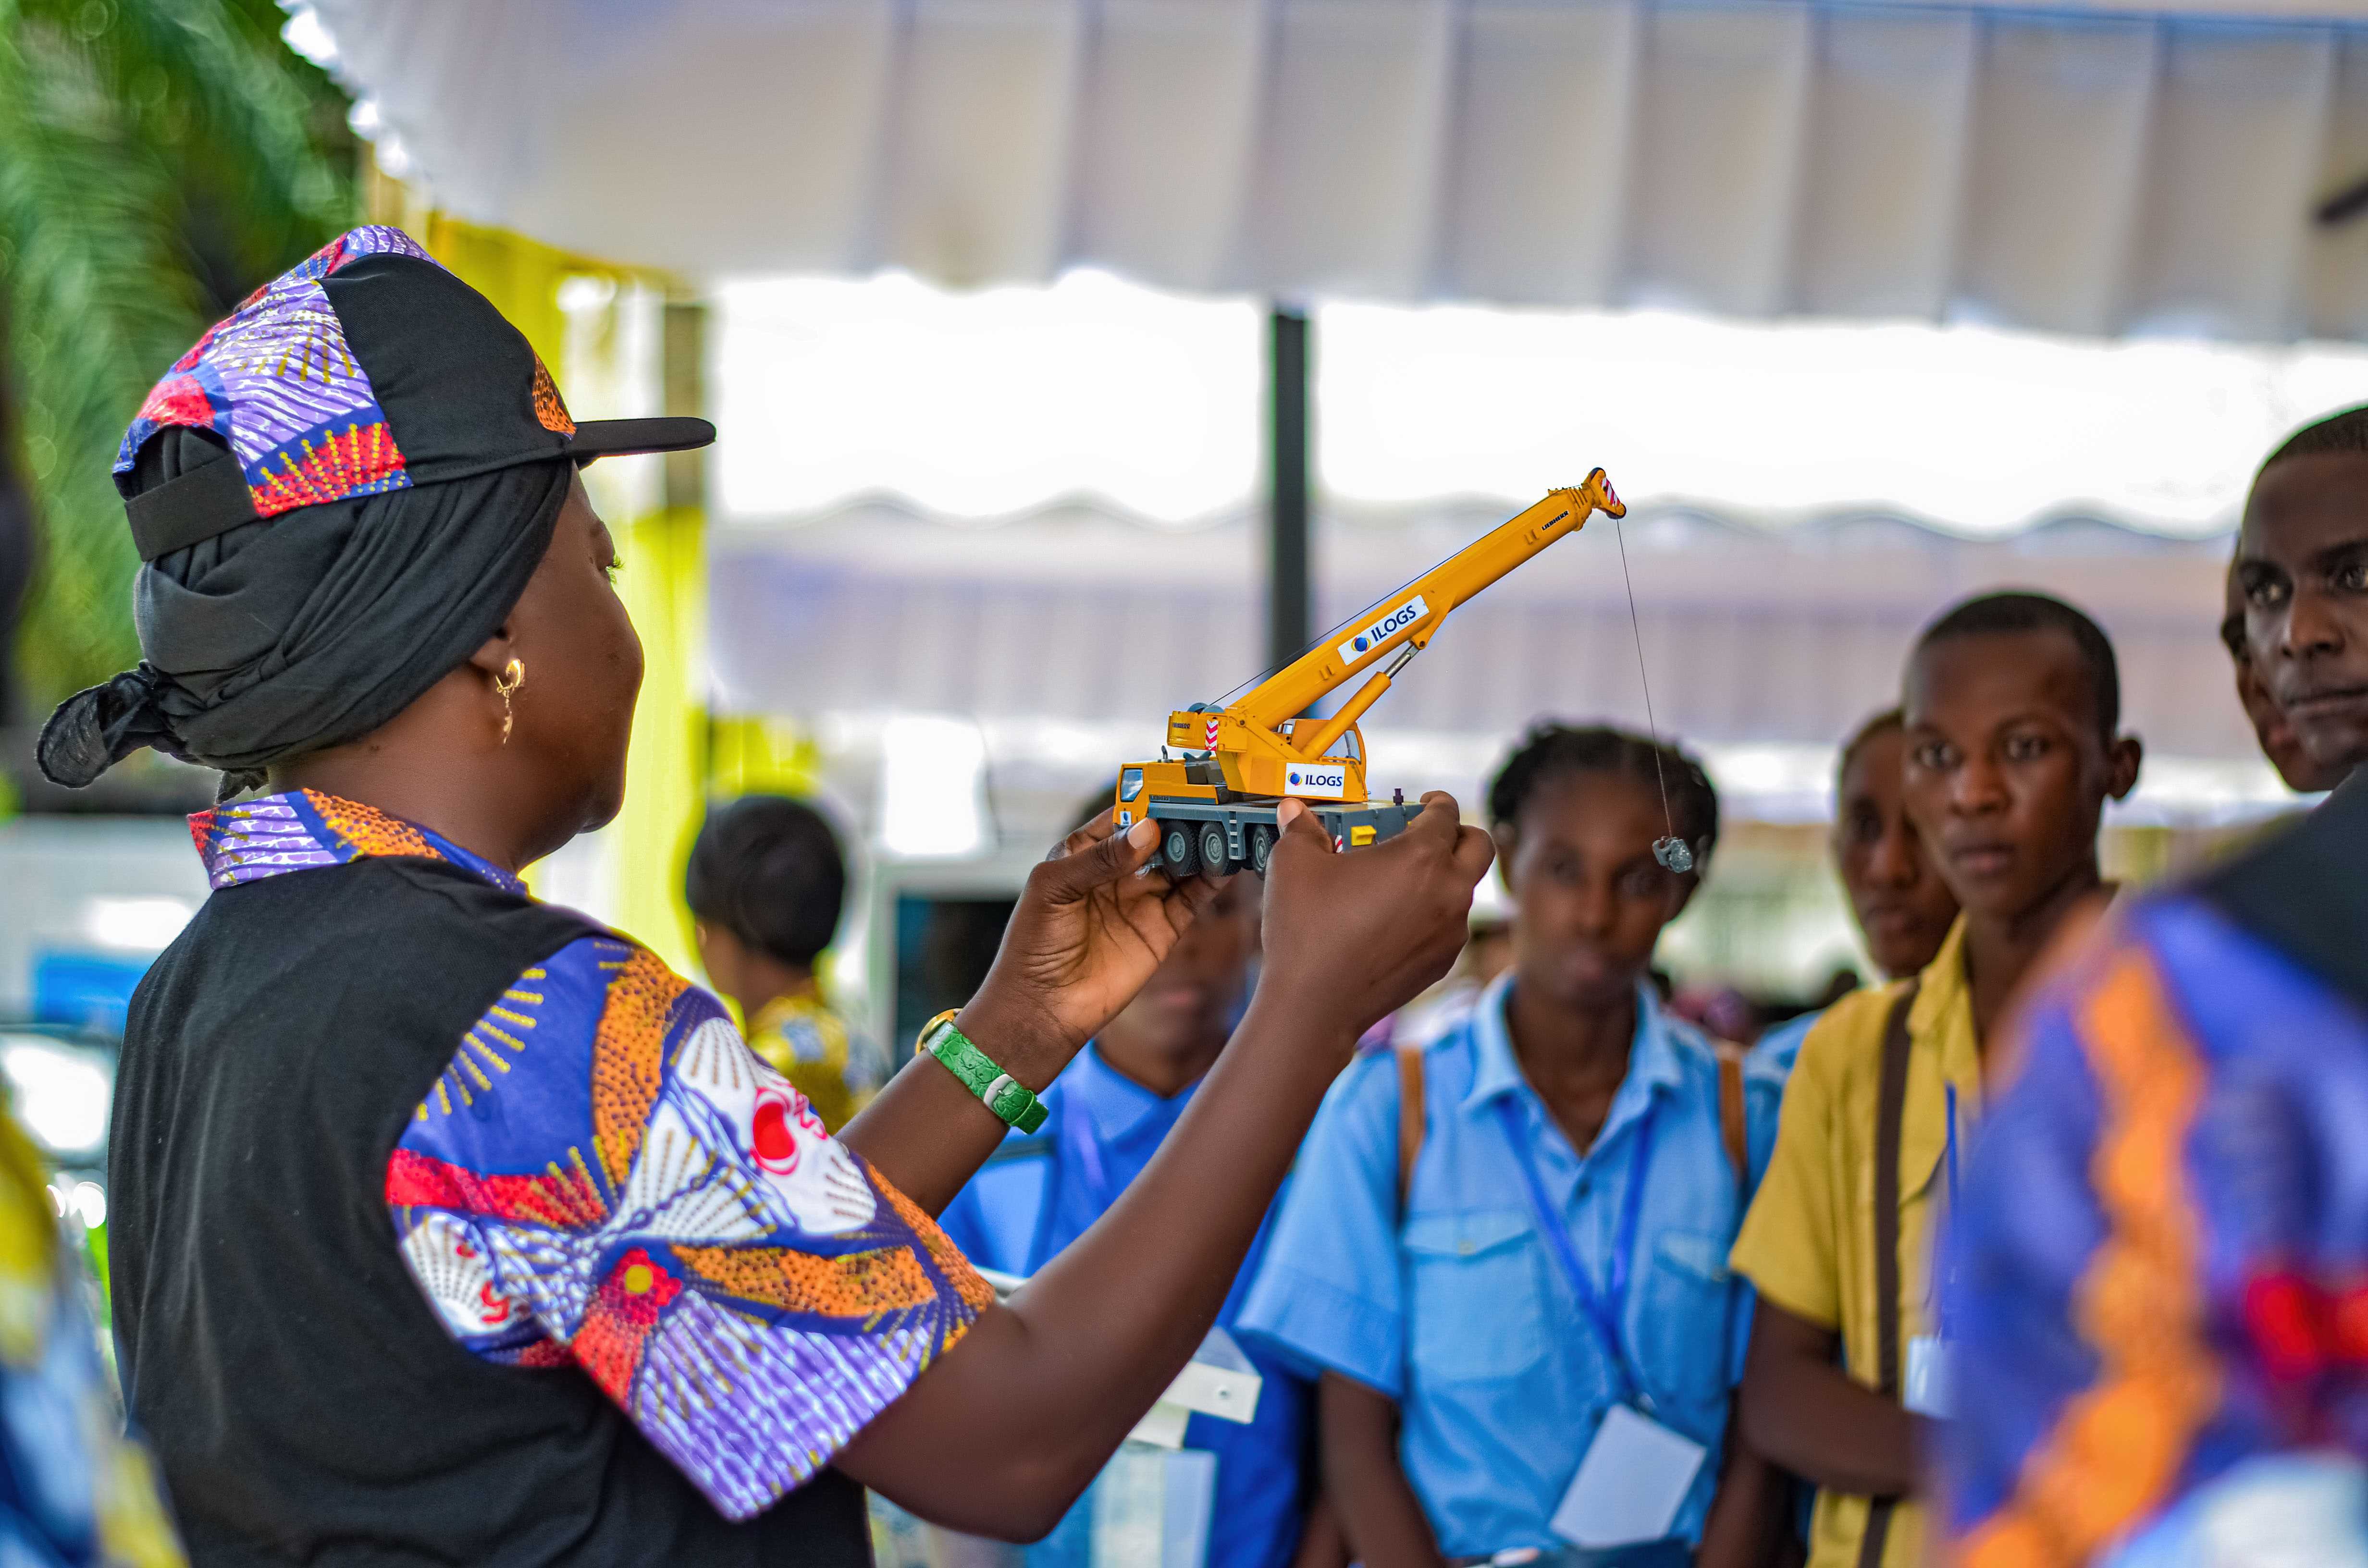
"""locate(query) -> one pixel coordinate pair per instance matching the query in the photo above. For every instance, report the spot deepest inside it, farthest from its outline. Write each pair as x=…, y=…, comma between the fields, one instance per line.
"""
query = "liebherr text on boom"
x=1215, y=805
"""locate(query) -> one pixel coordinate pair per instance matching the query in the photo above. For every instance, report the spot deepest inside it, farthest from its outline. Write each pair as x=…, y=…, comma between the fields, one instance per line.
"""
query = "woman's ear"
x=494, y=656
x=1504, y=835
x=2121, y=765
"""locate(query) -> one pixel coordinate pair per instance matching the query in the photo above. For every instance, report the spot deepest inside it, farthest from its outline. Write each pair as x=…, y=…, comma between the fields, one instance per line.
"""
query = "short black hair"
x=1995, y=613
x=1881, y=723
x=768, y=869
x=1552, y=750
x=2344, y=432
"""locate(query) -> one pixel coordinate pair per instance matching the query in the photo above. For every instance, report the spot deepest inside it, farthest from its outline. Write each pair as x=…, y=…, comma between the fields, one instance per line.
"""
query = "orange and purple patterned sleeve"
x=606, y=1176
x=2154, y=1273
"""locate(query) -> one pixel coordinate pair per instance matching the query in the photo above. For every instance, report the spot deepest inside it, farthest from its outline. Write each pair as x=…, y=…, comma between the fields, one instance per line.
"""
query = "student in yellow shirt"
x=767, y=882
x=2012, y=706
x=73, y=1488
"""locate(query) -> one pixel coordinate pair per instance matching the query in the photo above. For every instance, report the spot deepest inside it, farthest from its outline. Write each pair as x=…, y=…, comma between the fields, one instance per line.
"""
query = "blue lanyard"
x=1604, y=1308
x=1951, y=1144
x=1937, y=1249
x=1078, y=1133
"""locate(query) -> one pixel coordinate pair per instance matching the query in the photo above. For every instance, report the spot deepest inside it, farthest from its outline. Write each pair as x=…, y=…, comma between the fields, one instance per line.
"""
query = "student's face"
x=2006, y=775
x=1902, y=906
x=1188, y=1004
x=1589, y=899
x=2302, y=565
x=2272, y=728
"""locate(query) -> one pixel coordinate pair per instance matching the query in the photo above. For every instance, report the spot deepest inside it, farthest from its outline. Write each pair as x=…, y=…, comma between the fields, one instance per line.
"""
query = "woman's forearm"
x=1802, y=1411
x=926, y=1133
x=1037, y=1396
x=1000, y=1435
x=1370, y=1496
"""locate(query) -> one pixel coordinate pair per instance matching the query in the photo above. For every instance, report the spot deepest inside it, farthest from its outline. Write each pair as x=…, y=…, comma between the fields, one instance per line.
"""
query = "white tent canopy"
x=2092, y=170
x=1066, y=636
x=1056, y=581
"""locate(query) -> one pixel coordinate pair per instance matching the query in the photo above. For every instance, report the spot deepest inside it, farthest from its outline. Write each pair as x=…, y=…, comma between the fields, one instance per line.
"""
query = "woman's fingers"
x=1354, y=935
x=1186, y=900
x=1094, y=830
x=1090, y=860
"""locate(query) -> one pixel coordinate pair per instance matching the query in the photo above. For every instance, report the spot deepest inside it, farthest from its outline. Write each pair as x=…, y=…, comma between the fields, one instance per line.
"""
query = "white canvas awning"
x=2099, y=169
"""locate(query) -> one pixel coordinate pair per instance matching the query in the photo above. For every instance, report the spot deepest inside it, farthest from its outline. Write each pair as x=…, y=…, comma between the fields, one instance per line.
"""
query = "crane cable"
x=1672, y=852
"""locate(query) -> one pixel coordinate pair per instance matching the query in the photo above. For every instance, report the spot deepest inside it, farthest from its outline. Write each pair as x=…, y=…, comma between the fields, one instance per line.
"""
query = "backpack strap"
x=1733, y=1129
x=1890, y=1110
x=1410, y=1115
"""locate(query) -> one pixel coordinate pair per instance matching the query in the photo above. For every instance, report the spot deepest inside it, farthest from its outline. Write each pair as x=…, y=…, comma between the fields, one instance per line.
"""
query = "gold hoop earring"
x=513, y=677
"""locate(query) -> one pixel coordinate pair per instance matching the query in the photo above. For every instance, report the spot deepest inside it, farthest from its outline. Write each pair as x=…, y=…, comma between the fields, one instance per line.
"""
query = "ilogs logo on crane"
x=1322, y=782
x=1381, y=631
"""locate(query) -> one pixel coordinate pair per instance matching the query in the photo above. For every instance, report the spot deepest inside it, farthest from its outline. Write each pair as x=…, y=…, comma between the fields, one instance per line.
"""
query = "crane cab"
x=1213, y=817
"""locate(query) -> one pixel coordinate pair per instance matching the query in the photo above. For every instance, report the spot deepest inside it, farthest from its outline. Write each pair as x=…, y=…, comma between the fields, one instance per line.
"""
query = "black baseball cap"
x=368, y=368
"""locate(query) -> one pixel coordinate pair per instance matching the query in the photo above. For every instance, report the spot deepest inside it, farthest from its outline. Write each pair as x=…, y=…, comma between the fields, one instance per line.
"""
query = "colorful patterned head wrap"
x=339, y=493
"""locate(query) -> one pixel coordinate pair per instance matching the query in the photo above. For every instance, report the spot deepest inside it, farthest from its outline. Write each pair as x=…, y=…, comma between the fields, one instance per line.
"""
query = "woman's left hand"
x=1089, y=928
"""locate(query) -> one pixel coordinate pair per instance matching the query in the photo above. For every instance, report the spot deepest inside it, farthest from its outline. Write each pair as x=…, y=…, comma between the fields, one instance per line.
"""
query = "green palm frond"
x=146, y=146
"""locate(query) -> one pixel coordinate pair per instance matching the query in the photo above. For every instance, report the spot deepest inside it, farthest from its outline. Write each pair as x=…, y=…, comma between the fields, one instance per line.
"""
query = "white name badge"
x=1631, y=1484
x=1928, y=1389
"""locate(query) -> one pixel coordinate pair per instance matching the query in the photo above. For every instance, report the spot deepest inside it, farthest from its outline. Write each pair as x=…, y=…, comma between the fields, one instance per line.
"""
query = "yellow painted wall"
x=660, y=532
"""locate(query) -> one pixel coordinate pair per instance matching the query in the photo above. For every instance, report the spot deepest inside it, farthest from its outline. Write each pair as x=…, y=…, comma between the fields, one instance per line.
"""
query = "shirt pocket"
x=1681, y=1321
x=1473, y=1290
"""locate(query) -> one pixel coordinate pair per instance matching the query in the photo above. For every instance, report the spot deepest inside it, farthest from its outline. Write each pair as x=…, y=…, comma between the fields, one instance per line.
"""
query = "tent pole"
x=1289, y=622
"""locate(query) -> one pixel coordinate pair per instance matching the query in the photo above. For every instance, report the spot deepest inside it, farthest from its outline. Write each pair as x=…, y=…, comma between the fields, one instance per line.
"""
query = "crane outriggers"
x=1216, y=803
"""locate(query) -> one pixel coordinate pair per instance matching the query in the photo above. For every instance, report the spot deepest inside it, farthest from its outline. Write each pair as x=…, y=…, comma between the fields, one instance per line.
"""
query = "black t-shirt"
x=303, y=1398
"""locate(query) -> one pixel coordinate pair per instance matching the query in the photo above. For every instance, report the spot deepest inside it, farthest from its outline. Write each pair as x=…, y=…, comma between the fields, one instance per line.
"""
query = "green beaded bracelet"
x=1001, y=1093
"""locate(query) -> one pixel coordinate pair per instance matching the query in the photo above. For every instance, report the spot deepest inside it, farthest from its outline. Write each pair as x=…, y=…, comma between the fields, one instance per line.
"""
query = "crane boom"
x=1414, y=612
x=1216, y=806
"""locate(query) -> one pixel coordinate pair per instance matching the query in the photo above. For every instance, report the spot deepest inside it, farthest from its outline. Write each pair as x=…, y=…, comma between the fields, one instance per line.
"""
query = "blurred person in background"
x=2271, y=728
x=75, y=1490
x=1487, y=953
x=1110, y=1109
x=2011, y=720
x=767, y=882
x=2157, y=1265
x=1504, y=1251
x=448, y=1225
x=1903, y=908
x=2302, y=572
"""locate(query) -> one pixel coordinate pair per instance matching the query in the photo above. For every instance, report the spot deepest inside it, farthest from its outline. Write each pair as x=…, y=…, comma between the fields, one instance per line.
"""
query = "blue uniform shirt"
x=1460, y=1314
x=1776, y=1050
x=1036, y=1196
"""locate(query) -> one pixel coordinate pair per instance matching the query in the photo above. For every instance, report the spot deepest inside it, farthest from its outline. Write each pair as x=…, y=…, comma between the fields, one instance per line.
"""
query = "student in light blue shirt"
x=1903, y=908
x=1521, y=1349
x=1108, y=1113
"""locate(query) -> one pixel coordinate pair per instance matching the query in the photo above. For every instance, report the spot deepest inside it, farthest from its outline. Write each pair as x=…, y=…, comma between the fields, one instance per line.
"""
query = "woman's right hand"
x=1351, y=937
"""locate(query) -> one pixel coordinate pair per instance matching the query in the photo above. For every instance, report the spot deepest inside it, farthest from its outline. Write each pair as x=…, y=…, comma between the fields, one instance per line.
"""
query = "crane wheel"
x=1176, y=850
x=1213, y=854
x=1261, y=847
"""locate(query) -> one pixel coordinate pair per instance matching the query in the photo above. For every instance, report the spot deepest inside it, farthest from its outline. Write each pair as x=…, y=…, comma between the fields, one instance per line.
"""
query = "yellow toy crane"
x=1216, y=804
